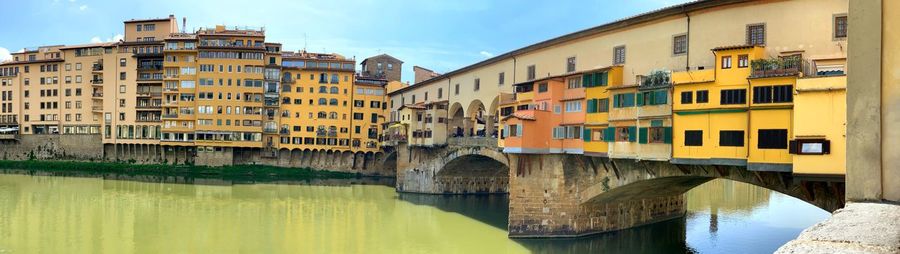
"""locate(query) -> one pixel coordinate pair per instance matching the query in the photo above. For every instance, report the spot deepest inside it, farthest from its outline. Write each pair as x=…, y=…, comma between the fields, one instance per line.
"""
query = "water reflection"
x=48, y=214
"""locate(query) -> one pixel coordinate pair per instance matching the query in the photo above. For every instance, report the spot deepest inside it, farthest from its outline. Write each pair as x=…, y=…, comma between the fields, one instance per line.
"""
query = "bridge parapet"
x=485, y=142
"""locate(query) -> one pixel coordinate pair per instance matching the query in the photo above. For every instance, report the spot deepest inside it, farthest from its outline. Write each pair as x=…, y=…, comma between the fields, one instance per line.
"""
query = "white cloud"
x=4, y=55
x=486, y=54
x=97, y=39
x=82, y=7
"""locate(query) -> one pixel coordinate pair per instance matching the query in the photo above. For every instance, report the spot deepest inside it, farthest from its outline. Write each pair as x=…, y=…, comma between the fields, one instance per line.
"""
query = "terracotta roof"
x=566, y=75
x=90, y=45
x=572, y=97
x=732, y=47
x=171, y=17
x=523, y=115
x=382, y=55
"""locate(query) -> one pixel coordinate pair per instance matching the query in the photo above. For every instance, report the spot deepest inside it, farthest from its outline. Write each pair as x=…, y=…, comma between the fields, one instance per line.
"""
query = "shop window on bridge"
x=542, y=87
x=693, y=138
x=598, y=134
x=731, y=138
x=773, y=94
x=658, y=97
x=573, y=132
x=772, y=139
x=703, y=96
x=623, y=100
x=656, y=135
x=810, y=146
x=687, y=97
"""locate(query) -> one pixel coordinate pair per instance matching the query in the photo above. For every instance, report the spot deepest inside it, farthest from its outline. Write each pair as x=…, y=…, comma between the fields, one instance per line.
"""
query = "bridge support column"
x=545, y=200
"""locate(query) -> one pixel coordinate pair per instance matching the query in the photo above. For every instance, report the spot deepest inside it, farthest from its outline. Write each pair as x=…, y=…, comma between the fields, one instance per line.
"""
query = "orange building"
x=549, y=116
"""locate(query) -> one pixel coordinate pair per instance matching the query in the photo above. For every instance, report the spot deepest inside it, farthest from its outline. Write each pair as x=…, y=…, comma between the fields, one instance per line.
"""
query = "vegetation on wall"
x=236, y=171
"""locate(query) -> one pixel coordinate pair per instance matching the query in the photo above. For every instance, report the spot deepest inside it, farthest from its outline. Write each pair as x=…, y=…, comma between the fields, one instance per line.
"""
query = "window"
x=624, y=134
x=693, y=138
x=731, y=138
x=500, y=78
x=570, y=64
x=573, y=132
x=702, y=96
x=726, y=62
x=122, y=75
x=679, y=44
x=390, y=66
x=810, y=146
x=574, y=83
x=773, y=94
x=573, y=106
x=559, y=132
x=743, y=61
x=840, y=26
x=619, y=55
x=513, y=130
x=603, y=105
x=756, y=34
x=531, y=72
x=477, y=84
x=772, y=139
x=456, y=89
x=657, y=135
x=122, y=62
x=733, y=96
x=542, y=87
x=687, y=97
x=440, y=93
x=623, y=100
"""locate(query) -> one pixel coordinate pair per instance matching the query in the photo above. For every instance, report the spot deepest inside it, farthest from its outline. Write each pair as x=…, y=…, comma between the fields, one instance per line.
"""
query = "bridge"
x=562, y=195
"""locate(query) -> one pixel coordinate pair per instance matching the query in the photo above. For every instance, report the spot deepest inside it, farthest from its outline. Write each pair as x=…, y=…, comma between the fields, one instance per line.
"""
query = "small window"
x=500, y=78
x=574, y=83
x=531, y=72
x=570, y=64
x=756, y=34
x=726, y=62
x=687, y=97
x=619, y=55
x=743, y=61
x=456, y=89
x=840, y=27
x=810, y=146
x=623, y=134
x=477, y=84
x=542, y=87
x=679, y=44
x=603, y=105
x=693, y=138
x=657, y=135
x=772, y=139
x=702, y=96
x=731, y=138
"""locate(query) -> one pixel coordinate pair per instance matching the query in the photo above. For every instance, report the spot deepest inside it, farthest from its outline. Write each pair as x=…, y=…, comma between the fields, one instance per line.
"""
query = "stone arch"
x=456, y=117
x=476, y=119
x=633, y=180
x=473, y=170
x=493, y=119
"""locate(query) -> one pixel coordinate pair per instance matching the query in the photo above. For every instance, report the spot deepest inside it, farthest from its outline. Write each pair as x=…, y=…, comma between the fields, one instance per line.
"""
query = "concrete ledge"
x=770, y=167
x=857, y=228
x=712, y=161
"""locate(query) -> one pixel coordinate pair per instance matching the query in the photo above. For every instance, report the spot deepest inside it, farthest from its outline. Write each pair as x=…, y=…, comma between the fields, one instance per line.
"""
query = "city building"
x=382, y=66
x=422, y=74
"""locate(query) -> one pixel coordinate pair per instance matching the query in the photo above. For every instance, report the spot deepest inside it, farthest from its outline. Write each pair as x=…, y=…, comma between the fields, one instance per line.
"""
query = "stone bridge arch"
x=453, y=170
x=578, y=195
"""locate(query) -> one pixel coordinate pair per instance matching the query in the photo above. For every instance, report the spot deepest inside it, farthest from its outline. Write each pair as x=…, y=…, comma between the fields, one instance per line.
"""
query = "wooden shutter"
x=667, y=135
x=631, y=131
x=642, y=135
x=610, y=134
x=661, y=97
x=586, y=80
x=592, y=106
x=586, y=134
x=640, y=99
x=616, y=101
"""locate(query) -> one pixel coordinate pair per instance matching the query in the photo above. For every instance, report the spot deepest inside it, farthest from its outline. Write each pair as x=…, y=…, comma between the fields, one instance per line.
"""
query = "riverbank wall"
x=91, y=148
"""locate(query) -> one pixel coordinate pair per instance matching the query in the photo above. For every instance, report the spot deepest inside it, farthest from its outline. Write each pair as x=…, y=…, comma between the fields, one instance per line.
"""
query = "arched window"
x=323, y=78
x=322, y=115
x=334, y=78
x=332, y=115
x=335, y=90
x=333, y=102
x=323, y=101
x=323, y=89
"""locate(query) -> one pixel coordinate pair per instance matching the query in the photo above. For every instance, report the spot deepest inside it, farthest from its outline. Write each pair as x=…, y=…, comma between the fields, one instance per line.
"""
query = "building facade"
x=213, y=96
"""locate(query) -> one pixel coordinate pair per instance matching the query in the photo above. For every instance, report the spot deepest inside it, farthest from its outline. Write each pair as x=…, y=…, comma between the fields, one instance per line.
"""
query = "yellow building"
x=818, y=143
x=596, y=120
x=369, y=107
x=317, y=112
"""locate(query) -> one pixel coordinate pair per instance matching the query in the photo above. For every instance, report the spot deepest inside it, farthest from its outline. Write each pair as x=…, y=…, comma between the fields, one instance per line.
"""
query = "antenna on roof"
x=184, y=24
x=304, y=42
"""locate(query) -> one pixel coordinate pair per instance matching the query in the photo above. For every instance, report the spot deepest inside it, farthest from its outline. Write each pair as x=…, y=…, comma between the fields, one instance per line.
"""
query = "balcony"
x=148, y=118
x=284, y=131
x=776, y=67
x=97, y=108
x=97, y=81
x=148, y=94
x=170, y=116
x=97, y=67
x=98, y=95
x=153, y=106
x=150, y=78
x=656, y=79
x=287, y=80
x=150, y=67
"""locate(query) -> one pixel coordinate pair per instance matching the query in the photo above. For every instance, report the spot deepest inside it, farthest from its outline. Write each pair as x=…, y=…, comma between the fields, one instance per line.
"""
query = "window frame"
x=749, y=36
x=675, y=44
x=834, y=26
x=616, y=59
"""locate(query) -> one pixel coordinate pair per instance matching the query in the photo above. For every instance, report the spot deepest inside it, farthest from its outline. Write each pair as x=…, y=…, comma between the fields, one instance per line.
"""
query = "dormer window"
x=726, y=62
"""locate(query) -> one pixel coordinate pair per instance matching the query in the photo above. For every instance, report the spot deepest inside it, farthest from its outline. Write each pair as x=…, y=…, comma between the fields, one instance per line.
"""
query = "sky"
x=439, y=35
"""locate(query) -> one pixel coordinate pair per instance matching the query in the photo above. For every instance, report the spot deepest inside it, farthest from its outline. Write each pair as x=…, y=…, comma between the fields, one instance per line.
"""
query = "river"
x=54, y=214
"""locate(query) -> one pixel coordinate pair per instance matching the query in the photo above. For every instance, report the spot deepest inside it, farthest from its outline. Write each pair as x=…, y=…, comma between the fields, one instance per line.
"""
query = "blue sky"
x=439, y=35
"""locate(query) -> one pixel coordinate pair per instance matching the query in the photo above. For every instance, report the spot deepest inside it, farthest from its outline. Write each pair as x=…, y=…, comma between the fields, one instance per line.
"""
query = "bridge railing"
x=472, y=141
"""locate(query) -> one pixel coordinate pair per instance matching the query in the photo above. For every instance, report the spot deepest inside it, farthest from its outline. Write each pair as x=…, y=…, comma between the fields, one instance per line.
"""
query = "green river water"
x=54, y=214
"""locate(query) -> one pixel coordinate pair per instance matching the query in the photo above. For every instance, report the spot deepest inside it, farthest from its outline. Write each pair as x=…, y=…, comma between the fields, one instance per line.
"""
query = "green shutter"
x=616, y=101
x=586, y=80
x=629, y=100
x=592, y=106
x=667, y=135
x=598, y=78
x=631, y=131
x=656, y=123
x=661, y=97
x=610, y=134
x=586, y=134
x=604, y=79
x=642, y=135
x=640, y=99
